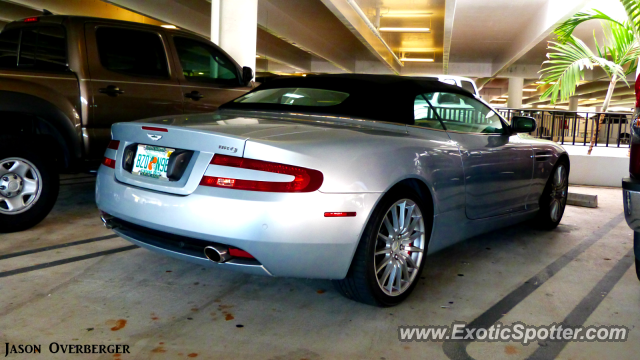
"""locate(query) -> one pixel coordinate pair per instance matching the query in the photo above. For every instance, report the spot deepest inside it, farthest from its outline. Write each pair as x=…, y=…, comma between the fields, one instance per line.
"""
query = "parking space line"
x=588, y=305
x=66, y=261
x=59, y=246
x=79, y=183
x=458, y=350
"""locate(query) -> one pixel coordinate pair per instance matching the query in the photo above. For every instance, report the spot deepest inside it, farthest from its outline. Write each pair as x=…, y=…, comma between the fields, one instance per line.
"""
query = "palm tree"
x=565, y=67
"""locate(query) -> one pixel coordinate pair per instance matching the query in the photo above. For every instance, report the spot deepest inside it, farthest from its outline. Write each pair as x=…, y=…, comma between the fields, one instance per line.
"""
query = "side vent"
x=543, y=155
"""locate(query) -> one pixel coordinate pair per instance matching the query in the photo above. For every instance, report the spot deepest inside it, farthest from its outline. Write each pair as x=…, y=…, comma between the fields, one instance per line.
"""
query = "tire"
x=636, y=247
x=553, y=200
x=22, y=206
x=362, y=282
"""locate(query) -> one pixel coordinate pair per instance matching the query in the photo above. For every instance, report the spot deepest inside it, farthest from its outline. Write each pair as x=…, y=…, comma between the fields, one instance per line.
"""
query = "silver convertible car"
x=354, y=178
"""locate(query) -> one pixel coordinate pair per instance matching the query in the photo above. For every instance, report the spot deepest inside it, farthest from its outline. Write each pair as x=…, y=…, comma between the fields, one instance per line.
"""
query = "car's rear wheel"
x=391, y=253
x=554, y=197
x=28, y=188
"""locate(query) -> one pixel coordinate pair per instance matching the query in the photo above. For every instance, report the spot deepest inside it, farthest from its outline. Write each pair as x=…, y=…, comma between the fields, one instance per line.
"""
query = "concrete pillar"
x=573, y=103
x=234, y=26
x=515, y=93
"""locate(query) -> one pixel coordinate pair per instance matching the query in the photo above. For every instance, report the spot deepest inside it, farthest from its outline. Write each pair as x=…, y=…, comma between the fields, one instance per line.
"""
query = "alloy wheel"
x=400, y=247
x=20, y=185
x=559, y=192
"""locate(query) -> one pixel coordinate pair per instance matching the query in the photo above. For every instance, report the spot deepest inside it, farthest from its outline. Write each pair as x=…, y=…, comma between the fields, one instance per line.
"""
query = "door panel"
x=497, y=170
x=209, y=77
x=131, y=78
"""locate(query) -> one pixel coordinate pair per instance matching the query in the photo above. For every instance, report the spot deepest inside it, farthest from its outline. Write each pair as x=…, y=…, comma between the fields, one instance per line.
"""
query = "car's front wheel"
x=554, y=197
x=392, y=251
x=28, y=188
x=636, y=247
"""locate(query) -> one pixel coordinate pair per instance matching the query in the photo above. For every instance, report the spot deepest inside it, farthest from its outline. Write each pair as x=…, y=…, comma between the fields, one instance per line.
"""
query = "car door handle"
x=111, y=90
x=194, y=95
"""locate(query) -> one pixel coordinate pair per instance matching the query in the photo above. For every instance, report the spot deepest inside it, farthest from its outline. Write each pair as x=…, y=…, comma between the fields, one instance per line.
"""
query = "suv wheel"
x=28, y=189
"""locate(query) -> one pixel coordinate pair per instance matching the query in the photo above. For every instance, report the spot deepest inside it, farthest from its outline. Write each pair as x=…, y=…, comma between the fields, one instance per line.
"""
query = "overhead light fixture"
x=540, y=82
x=417, y=59
x=169, y=26
x=499, y=99
x=593, y=99
x=405, y=15
x=406, y=30
x=529, y=90
x=504, y=96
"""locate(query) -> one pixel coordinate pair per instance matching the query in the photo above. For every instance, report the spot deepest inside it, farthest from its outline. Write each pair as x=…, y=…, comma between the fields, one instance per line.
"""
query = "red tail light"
x=113, y=144
x=240, y=253
x=109, y=162
x=31, y=19
x=306, y=180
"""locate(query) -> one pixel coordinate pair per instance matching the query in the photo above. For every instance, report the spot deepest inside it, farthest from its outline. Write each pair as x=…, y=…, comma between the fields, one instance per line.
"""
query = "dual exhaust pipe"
x=216, y=253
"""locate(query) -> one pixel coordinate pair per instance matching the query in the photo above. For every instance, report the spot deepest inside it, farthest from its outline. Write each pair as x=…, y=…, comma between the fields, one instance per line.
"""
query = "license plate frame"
x=152, y=161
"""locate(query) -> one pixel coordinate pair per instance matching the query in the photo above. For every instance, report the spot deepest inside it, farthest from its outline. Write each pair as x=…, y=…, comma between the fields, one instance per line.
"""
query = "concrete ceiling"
x=492, y=39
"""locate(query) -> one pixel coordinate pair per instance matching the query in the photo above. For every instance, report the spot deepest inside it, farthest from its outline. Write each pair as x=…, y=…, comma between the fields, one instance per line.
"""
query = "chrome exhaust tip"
x=107, y=220
x=217, y=254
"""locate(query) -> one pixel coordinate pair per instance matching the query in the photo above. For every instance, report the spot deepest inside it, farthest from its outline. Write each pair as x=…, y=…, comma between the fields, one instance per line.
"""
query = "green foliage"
x=566, y=68
x=618, y=56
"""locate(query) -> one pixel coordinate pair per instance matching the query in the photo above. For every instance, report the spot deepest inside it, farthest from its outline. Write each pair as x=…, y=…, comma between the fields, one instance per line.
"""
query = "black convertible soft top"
x=376, y=97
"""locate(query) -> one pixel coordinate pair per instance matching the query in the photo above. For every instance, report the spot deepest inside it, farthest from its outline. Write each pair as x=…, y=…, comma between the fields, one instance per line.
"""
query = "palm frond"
x=632, y=8
x=623, y=47
x=565, y=30
x=566, y=65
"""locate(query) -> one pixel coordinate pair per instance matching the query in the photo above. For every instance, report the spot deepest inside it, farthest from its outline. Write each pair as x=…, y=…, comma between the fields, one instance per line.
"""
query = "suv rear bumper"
x=631, y=200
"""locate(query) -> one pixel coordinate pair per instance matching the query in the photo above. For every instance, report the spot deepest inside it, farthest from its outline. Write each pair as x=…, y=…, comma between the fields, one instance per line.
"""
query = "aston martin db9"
x=354, y=178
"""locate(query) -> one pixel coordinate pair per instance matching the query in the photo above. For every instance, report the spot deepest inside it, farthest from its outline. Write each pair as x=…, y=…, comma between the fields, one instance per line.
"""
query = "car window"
x=133, y=52
x=468, y=86
x=9, y=48
x=204, y=63
x=41, y=48
x=464, y=114
x=424, y=115
x=294, y=96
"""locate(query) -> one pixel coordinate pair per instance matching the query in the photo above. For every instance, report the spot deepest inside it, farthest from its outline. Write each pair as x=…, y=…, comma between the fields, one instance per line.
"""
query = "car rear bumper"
x=286, y=233
x=631, y=200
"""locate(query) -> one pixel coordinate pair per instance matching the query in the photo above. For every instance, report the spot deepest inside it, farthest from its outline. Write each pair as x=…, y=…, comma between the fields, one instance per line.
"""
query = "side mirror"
x=523, y=124
x=247, y=75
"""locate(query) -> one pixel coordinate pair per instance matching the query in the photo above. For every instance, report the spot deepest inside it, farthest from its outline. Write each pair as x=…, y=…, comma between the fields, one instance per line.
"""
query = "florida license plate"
x=152, y=161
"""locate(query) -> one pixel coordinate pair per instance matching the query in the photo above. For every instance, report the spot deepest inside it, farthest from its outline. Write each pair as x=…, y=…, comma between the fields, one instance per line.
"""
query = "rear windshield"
x=294, y=96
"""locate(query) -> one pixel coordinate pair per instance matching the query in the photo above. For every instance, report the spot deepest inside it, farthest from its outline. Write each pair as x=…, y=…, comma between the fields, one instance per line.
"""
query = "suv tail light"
x=634, y=157
x=306, y=180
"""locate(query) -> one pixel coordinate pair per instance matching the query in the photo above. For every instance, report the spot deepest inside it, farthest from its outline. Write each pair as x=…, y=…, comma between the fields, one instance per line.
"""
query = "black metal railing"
x=576, y=127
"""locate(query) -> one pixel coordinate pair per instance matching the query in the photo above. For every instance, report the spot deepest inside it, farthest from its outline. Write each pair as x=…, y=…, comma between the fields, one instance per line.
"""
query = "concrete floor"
x=167, y=309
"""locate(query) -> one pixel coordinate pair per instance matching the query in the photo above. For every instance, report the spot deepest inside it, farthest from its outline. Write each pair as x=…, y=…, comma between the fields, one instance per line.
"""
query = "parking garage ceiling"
x=408, y=37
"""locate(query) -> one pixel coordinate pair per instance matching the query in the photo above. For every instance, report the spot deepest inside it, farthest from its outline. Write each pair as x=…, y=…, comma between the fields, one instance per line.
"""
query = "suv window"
x=468, y=86
x=464, y=114
x=41, y=48
x=204, y=63
x=9, y=48
x=133, y=52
